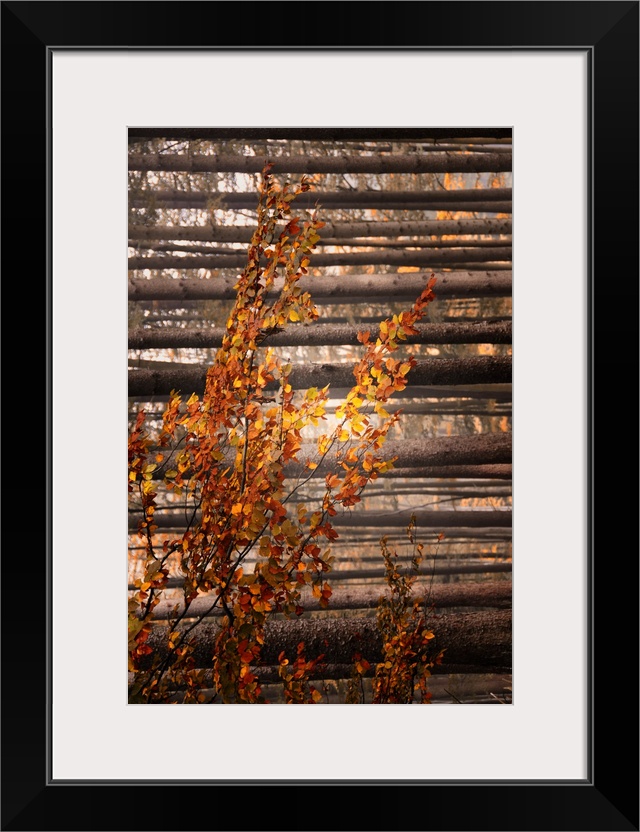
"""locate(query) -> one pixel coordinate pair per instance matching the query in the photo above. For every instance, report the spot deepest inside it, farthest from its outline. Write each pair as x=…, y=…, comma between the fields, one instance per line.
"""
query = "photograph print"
x=319, y=416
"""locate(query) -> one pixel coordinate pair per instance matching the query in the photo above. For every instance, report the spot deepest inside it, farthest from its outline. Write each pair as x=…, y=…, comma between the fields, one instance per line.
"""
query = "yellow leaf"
x=293, y=315
x=236, y=509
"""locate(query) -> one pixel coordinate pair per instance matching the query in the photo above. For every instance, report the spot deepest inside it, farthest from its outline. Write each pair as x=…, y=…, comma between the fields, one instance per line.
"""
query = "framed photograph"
x=82, y=80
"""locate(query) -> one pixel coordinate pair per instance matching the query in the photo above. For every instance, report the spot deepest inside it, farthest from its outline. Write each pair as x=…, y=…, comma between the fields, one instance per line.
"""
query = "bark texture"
x=425, y=257
x=342, y=230
x=331, y=199
x=378, y=163
x=323, y=335
x=480, y=455
x=418, y=472
x=480, y=518
x=434, y=371
x=489, y=207
x=481, y=639
x=496, y=594
x=340, y=576
x=353, y=287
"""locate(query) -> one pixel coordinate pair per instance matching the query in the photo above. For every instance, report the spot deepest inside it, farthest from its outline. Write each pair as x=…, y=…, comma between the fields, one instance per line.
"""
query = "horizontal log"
x=340, y=576
x=247, y=204
x=329, y=134
x=397, y=537
x=461, y=407
x=376, y=163
x=365, y=541
x=496, y=594
x=425, y=518
x=469, y=680
x=337, y=230
x=491, y=200
x=419, y=472
x=475, y=455
x=434, y=245
x=500, y=393
x=481, y=639
x=498, y=472
x=483, y=568
x=426, y=257
x=370, y=539
x=470, y=684
x=352, y=287
x=480, y=453
x=487, y=688
x=428, y=371
x=322, y=335
x=369, y=557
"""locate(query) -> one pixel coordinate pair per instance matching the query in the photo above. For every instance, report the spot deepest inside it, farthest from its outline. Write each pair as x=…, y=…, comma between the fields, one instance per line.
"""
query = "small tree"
x=408, y=651
x=407, y=654
x=230, y=454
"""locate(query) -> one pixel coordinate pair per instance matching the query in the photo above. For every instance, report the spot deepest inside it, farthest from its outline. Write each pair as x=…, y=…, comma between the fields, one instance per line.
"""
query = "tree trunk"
x=359, y=242
x=460, y=407
x=497, y=472
x=352, y=287
x=322, y=335
x=342, y=230
x=420, y=472
x=377, y=163
x=500, y=393
x=481, y=639
x=495, y=594
x=479, y=455
x=425, y=519
x=246, y=204
x=478, y=536
x=360, y=258
x=417, y=473
x=428, y=371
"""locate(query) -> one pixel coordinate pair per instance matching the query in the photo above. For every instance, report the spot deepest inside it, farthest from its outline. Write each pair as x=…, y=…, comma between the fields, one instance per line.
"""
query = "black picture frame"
x=608, y=799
